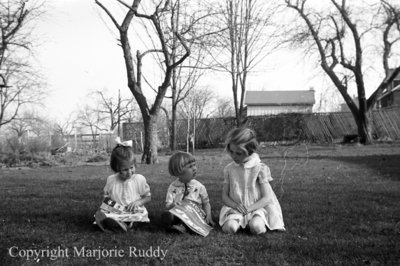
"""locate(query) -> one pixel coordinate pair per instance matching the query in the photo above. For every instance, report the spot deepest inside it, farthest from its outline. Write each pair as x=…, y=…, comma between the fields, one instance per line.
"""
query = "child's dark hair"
x=243, y=137
x=178, y=161
x=121, y=153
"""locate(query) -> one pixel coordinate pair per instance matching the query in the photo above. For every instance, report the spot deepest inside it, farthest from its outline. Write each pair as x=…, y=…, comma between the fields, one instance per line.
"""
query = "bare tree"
x=390, y=32
x=191, y=22
x=114, y=110
x=20, y=126
x=65, y=127
x=184, y=80
x=29, y=122
x=245, y=40
x=35, y=124
x=193, y=108
x=27, y=89
x=197, y=103
x=88, y=117
x=157, y=19
x=26, y=126
x=224, y=108
x=340, y=39
x=19, y=84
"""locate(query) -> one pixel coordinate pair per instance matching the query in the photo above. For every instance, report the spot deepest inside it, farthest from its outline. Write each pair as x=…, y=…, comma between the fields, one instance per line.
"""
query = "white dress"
x=125, y=192
x=244, y=188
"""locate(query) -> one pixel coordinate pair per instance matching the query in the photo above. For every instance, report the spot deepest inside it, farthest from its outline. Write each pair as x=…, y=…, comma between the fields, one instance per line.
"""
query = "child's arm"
x=144, y=191
x=106, y=190
x=138, y=203
x=229, y=202
x=207, y=210
x=170, y=198
x=169, y=205
x=266, y=191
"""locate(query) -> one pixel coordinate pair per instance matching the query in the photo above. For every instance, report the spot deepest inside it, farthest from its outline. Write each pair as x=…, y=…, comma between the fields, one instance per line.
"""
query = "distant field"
x=340, y=207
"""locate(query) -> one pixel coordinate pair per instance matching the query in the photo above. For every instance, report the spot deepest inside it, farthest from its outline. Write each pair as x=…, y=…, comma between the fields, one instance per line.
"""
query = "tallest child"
x=247, y=195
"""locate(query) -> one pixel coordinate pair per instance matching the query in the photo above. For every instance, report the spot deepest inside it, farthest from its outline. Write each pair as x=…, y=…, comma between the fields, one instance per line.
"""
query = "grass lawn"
x=340, y=207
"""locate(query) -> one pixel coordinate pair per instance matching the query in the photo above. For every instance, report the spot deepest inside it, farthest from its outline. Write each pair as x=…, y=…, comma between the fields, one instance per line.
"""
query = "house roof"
x=398, y=75
x=389, y=92
x=298, y=97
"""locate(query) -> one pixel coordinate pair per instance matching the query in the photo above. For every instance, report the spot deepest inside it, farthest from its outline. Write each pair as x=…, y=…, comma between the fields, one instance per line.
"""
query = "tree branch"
x=109, y=14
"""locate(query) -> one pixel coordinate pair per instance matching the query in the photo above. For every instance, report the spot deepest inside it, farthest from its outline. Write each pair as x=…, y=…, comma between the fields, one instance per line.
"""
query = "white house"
x=277, y=102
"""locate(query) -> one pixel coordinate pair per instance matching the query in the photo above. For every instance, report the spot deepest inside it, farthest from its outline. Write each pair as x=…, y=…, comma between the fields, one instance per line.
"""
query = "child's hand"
x=177, y=202
x=242, y=209
x=170, y=205
x=210, y=221
x=133, y=206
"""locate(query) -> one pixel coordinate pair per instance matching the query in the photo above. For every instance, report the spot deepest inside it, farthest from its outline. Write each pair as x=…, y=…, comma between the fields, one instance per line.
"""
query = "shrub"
x=98, y=158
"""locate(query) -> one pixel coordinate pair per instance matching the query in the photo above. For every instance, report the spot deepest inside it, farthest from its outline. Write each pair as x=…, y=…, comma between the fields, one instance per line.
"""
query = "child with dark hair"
x=125, y=192
x=247, y=195
x=182, y=165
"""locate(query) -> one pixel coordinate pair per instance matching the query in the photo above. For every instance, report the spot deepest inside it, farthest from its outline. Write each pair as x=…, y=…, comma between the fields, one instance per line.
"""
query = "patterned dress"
x=193, y=191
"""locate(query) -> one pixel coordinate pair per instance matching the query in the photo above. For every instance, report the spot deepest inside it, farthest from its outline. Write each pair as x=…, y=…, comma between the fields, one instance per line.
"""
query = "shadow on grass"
x=387, y=166
x=84, y=223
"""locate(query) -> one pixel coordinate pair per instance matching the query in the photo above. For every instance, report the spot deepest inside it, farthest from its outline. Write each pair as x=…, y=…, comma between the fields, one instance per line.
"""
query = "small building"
x=391, y=96
x=277, y=102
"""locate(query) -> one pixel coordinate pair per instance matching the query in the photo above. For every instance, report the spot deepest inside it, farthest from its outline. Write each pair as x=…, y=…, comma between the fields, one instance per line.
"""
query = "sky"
x=78, y=53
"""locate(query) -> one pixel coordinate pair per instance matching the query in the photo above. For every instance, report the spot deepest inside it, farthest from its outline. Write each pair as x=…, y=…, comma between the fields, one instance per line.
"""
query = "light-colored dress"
x=125, y=192
x=244, y=188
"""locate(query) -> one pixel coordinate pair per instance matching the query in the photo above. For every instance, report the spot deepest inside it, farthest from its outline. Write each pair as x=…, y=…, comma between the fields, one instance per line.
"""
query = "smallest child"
x=182, y=165
x=125, y=192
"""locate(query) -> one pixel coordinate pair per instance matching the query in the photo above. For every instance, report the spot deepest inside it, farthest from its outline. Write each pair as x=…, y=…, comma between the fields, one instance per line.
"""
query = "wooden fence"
x=313, y=128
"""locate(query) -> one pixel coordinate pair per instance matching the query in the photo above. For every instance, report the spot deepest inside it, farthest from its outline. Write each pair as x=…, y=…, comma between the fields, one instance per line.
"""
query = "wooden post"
x=194, y=132
x=141, y=140
x=188, y=133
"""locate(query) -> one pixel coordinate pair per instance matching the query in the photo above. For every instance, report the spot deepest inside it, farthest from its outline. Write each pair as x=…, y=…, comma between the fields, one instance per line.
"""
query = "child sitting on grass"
x=247, y=195
x=125, y=192
x=185, y=188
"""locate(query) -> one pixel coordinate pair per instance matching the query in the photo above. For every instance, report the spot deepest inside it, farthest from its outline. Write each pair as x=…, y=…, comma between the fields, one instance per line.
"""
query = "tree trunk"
x=150, y=153
x=235, y=101
x=173, y=129
x=364, y=128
